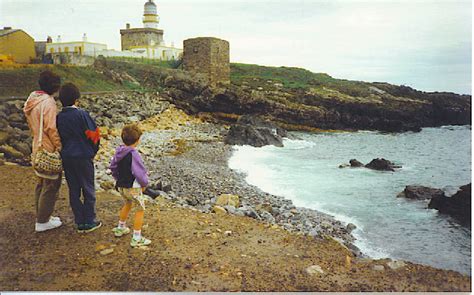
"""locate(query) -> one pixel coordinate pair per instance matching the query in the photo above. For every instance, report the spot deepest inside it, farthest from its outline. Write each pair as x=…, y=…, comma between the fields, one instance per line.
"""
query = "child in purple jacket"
x=131, y=180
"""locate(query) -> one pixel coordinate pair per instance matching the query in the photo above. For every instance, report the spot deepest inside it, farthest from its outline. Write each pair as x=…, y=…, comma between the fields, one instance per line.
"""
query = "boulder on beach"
x=256, y=132
x=418, y=192
x=382, y=165
x=458, y=206
x=228, y=200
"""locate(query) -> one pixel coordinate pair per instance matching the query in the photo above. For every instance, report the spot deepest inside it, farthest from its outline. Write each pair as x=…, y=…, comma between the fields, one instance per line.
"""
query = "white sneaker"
x=55, y=218
x=39, y=227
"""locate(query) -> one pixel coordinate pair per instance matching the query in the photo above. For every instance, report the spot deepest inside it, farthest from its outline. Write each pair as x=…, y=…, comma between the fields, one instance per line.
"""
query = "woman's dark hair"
x=130, y=134
x=49, y=82
x=68, y=94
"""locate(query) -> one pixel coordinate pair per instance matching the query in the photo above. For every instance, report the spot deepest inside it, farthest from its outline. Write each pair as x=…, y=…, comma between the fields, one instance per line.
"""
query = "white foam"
x=297, y=144
x=367, y=248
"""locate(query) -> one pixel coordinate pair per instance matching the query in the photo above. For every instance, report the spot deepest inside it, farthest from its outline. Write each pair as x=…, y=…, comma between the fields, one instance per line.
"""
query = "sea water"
x=306, y=171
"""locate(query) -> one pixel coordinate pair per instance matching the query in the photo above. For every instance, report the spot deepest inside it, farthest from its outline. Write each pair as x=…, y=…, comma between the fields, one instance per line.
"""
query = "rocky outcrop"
x=375, y=164
x=418, y=192
x=15, y=141
x=297, y=108
x=355, y=164
x=381, y=165
x=109, y=110
x=254, y=131
x=458, y=206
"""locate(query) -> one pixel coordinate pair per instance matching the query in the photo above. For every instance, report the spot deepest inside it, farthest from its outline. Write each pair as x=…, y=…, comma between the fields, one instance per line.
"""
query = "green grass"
x=290, y=77
x=293, y=78
x=20, y=81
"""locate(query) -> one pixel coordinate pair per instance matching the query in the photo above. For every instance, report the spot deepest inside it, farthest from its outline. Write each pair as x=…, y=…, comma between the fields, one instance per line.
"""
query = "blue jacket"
x=79, y=134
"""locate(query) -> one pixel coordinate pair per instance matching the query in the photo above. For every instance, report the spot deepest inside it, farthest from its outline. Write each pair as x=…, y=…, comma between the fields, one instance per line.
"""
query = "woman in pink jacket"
x=47, y=189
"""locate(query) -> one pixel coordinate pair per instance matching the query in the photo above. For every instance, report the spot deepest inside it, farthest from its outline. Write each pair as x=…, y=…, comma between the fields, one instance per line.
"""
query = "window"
x=195, y=50
x=51, y=50
x=66, y=49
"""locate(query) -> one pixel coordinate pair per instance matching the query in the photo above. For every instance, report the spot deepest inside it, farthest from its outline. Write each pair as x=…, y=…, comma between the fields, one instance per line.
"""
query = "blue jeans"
x=80, y=178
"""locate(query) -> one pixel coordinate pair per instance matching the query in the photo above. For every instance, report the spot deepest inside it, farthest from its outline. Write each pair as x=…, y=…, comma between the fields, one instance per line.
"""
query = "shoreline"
x=191, y=156
x=192, y=250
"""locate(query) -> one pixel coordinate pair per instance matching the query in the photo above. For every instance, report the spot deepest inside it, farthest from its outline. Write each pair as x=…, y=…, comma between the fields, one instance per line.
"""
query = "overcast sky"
x=423, y=44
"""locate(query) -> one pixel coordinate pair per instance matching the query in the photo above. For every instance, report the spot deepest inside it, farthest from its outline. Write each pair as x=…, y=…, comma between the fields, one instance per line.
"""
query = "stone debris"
x=396, y=264
x=228, y=200
x=219, y=210
x=106, y=251
x=314, y=269
x=378, y=267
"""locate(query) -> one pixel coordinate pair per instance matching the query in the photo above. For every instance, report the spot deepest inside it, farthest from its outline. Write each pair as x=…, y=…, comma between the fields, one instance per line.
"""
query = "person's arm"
x=114, y=168
x=139, y=170
x=49, y=123
x=92, y=132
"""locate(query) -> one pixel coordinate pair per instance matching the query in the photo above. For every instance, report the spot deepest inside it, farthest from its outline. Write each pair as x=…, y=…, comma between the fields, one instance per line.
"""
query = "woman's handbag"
x=46, y=162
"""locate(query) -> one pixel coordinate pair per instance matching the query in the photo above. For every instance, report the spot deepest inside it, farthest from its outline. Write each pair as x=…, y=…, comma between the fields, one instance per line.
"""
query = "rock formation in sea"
x=251, y=130
x=418, y=192
x=458, y=205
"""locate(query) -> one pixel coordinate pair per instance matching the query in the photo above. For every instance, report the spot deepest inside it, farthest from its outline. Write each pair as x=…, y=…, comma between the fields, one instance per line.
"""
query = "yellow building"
x=18, y=44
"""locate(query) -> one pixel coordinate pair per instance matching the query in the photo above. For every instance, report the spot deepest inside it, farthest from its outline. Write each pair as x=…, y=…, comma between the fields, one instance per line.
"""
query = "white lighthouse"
x=150, y=16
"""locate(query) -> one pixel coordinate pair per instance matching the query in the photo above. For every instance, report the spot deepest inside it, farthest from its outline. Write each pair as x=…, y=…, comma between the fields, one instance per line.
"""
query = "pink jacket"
x=32, y=109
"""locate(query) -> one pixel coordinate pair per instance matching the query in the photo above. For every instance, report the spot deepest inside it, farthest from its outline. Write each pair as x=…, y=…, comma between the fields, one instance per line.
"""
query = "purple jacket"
x=127, y=166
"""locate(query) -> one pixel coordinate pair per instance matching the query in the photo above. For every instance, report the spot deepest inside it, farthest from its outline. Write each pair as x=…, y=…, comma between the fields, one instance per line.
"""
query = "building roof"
x=140, y=30
x=4, y=32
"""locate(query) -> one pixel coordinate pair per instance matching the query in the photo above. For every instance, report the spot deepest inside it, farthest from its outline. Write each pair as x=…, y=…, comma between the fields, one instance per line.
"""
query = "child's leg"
x=124, y=213
x=73, y=179
x=88, y=190
x=138, y=221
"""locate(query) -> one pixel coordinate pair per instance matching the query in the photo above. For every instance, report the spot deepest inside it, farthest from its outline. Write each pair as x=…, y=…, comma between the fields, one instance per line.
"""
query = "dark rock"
x=22, y=147
x=381, y=165
x=156, y=186
x=255, y=132
x=350, y=227
x=167, y=188
x=354, y=163
x=249, y=135
x=192, y=200
x=151, y=193
x=160, y=186
x=418, y=192
x=458, y=206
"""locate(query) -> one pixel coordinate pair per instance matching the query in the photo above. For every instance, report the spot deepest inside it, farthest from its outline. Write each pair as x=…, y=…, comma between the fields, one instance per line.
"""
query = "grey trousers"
x=46, y=194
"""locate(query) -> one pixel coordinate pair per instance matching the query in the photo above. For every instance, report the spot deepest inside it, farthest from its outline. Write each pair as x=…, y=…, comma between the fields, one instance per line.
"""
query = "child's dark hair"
x=68, y=94
x=131, y=133
x=49, y=82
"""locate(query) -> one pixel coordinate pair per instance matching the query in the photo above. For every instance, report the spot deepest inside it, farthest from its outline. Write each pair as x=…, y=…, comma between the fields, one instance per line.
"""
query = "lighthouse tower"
x=150, y=16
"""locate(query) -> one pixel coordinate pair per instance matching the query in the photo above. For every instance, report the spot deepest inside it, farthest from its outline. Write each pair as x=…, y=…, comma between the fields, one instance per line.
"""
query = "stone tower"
x=147, y=36
x=208, y=56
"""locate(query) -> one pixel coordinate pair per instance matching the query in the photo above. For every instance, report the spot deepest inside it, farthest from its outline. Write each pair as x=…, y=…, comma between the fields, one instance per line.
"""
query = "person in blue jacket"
x=80, y=139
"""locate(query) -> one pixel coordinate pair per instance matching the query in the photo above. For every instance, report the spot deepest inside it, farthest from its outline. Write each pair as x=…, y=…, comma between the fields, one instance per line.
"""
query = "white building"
x=83, y=47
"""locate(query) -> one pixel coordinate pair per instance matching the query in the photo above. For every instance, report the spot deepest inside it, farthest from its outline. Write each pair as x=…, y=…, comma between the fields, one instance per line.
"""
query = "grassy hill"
x=20, y=81
x=293, y=78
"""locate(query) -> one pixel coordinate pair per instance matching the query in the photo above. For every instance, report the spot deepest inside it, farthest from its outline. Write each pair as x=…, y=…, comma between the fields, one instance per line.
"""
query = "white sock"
x=122, y=224
x=137, y=234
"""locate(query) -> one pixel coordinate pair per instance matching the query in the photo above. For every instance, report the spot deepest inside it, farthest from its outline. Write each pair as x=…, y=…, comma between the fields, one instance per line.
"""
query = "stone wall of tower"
x=141, y=37
x=208, y=56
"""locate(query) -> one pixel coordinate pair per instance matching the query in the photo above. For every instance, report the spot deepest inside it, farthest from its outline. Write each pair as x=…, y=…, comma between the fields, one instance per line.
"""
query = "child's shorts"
x=134, y=195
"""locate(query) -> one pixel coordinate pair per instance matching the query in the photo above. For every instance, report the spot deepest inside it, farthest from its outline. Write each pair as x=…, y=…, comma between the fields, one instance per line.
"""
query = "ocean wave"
x=297, y=144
